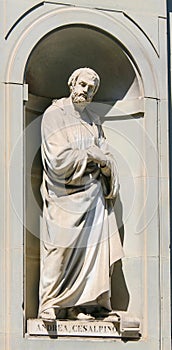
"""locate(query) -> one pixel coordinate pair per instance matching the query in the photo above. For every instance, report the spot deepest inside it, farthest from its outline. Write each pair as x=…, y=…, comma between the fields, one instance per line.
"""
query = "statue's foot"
x=75, y=313
x=101, y=312
x=82, y=316
x=48, y=315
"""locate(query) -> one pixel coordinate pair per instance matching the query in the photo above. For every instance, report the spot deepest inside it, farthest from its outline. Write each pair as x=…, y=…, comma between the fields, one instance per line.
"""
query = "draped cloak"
x=79, y=236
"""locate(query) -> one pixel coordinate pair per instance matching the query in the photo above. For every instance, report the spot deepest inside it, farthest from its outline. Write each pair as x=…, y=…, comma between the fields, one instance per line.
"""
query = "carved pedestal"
x=119, y=325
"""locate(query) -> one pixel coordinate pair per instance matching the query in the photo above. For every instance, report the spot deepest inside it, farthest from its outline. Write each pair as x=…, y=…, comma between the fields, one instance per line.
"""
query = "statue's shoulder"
x=57, y=104
x=54, y=114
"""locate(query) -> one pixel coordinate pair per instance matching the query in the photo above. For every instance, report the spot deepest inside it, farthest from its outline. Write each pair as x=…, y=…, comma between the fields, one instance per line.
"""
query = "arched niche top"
x=117, y=26
x=65, y=49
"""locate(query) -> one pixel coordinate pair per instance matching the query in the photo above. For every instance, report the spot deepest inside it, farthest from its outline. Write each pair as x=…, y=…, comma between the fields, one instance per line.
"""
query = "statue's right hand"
x=96, y=155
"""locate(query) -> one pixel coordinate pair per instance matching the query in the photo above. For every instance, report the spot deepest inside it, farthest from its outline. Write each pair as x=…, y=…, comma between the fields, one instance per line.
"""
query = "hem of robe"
x=51, y=304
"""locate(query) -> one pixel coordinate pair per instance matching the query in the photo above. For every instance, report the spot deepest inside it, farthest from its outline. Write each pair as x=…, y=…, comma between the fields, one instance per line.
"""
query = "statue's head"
x=83, y=84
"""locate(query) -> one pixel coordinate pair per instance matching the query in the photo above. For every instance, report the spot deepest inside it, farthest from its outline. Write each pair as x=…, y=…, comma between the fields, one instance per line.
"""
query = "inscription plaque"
x=92, y=328
x=72, y=328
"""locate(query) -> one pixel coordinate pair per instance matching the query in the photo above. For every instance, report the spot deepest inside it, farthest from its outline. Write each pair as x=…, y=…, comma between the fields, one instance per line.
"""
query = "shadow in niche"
x=32, y=274
x=33, y=237
x=36, y=178
x=120, y=294
x=65, y=49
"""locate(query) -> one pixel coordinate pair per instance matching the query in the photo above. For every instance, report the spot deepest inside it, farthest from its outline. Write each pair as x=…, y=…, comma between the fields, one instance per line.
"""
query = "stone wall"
x=126, y=42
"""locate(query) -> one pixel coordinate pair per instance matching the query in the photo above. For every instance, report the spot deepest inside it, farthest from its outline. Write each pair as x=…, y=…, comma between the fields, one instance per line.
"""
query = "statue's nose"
x=86, y=88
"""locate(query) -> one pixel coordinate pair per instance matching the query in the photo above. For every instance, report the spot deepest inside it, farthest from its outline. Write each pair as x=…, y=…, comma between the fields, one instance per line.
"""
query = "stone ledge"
x=115, y=328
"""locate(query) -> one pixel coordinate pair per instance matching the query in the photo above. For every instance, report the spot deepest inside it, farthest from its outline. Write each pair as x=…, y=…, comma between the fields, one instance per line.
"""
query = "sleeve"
x=59, y=158
x=110, y=183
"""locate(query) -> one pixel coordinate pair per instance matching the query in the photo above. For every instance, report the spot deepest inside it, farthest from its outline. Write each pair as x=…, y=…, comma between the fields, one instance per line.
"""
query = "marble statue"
x=79, y=236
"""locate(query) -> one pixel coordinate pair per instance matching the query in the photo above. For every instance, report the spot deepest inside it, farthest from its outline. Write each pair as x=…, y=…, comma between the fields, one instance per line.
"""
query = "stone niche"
x=120, y=103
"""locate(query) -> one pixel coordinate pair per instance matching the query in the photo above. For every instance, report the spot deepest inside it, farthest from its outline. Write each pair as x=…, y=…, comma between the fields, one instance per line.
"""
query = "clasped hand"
x=96, y=155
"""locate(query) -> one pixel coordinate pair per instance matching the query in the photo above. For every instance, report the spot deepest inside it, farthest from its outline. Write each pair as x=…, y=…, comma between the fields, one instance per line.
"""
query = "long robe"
x=79, y=236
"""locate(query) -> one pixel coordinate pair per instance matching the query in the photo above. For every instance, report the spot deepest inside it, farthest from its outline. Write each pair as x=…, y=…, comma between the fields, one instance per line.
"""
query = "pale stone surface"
x=154, y=7
x=163, y=68
x=154, y=241
x=148, y=23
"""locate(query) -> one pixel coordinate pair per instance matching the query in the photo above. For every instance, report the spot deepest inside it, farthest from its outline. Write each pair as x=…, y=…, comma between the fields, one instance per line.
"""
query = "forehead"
x=87, y=78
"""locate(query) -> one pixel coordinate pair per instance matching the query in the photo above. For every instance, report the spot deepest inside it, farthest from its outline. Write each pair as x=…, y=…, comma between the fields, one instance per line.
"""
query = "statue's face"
x=84, y=89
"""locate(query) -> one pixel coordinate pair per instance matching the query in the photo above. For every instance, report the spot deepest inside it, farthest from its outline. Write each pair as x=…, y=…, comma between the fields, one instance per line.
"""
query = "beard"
x=80, y=98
